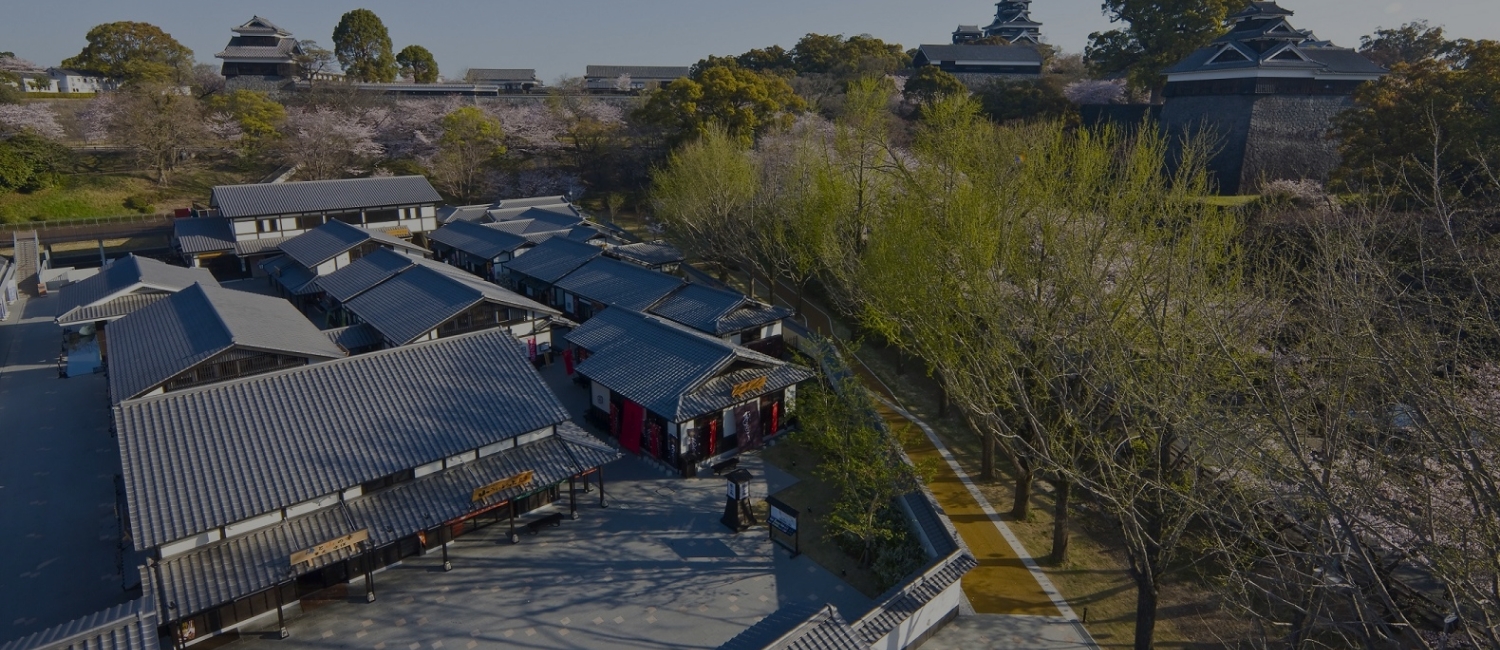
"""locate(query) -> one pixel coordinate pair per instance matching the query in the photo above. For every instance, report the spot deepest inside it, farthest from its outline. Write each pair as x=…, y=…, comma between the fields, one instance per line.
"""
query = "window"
x=267, y=225
x=750, y=336
x=352, y=218
x=309, y=222
x=381, y=216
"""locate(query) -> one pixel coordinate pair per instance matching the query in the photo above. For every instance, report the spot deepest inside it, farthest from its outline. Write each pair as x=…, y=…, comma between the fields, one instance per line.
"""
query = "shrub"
x=1302, y=193
x=140, y=202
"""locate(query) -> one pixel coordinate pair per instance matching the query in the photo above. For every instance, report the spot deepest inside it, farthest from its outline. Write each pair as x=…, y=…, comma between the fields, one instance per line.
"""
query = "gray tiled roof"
x=295, y=278
x=364, y=273
x=157, y=342
x=127, y=626
x=636, y=72
x=432, y=500
x=327, y=241
x=618, y=283
x=718, y=393
x=451, y=213
x=494, y=214
x=1007, y=54
x=417, y=300
x=203, y=235
x=530, y=202
x=283, y=50
x=479, y=241
x=553, y=259
x=308, y=197
x=243, y=565
x=658, y=364
x=536, y=221
x=117, y=308
x=904, y=600
x=126, y=275
x=650, y=253
x=354, y=337
x=284, y=438
x=797, y=626
x=249, y=563
x=258, y=246
x=716, y=311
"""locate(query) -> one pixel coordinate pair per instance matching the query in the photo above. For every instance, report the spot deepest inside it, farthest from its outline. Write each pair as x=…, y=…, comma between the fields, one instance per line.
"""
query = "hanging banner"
x=331, y=546
x=486, y=491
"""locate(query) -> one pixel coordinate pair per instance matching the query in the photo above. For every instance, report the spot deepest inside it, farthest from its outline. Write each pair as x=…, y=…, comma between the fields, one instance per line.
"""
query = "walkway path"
x=1008, y=580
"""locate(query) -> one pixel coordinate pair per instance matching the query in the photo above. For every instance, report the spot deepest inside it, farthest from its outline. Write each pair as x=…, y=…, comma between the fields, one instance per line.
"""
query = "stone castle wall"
x=1260, y=138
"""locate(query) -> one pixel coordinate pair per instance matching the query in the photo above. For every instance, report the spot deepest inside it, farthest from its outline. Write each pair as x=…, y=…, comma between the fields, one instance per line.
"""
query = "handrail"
x=88, y=221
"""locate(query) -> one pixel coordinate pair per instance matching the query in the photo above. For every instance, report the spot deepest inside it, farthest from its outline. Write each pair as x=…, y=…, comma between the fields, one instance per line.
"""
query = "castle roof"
x=260, y=27
x=1262, y=42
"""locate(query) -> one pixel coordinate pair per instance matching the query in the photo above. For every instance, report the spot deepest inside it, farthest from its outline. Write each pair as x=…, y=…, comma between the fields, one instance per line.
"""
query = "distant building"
x=247, y=223
x=508, y=80
x=630, y=78
x=980, y=63
x=1266, y=92
x=63, y=80
x=261, y=51
x=1012, y=24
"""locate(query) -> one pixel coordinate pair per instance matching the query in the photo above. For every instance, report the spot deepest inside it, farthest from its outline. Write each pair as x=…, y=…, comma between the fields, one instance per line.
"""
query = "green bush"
x=29, y=163
x=140, y=202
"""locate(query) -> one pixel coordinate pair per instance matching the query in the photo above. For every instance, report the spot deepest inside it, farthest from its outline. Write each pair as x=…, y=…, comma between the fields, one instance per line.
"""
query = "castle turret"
x=261, y=50
x=1268, y=92
x=1014, y=24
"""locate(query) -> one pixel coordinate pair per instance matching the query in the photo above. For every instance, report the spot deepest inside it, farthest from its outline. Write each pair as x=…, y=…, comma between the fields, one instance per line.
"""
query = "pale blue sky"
x=562, y=36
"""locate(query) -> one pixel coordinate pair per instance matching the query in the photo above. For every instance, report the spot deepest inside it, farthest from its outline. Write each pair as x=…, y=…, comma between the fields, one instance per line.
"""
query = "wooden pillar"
x=514, y=538
x=446, y=532
x=280, y=618
x=370, y=573
x=602, y=504
x=572, y=499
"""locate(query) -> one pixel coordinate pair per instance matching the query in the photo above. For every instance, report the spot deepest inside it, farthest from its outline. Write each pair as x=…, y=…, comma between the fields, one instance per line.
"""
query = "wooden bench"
x=726, y=467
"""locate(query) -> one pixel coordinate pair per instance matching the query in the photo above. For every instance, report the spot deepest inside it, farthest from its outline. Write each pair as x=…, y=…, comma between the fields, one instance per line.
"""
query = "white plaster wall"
x=922, y=620
x=601, y=396
x=188, y=544
x=315, y=504
x=429, y=468
x=253, y=523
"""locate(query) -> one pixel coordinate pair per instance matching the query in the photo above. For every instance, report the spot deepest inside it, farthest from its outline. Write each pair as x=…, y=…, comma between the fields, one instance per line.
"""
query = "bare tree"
x=160, y=124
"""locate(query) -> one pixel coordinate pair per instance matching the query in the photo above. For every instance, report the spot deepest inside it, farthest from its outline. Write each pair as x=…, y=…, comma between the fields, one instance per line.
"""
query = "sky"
x=560, y=37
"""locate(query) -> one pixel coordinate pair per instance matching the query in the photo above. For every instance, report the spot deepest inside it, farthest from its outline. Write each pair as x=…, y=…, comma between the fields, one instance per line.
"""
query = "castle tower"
x=1267, y=92
x=262, y=51
x=1013, y=25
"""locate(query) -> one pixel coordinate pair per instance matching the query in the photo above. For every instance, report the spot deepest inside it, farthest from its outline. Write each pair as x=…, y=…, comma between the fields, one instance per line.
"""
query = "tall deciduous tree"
x=159, y=124
x=468, y=154
x=133, y=52
x=258, y=117
x=325, y=143
x=312, y=60
x=1160, y=33
x=416, y=62
x=705, y=196
x=1412, y=43
x=363, y=47
x=930, y=84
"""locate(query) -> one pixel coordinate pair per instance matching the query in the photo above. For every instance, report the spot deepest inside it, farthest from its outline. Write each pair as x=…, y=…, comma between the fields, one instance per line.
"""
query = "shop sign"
x=783, y=518
x=331, y=546
x=745, y=387
x=519, y=480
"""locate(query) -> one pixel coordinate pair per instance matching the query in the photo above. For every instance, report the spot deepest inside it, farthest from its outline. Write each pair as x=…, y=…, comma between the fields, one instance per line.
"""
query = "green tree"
x=705, y=196
x=744, y=102
x=1412, y=43
x=930, y=84
x=311, y=59
x=363, y=47
x=29, y=162
x=416, y=62
x=158, y=124
x=770, y=59
x=1160, y=33
x=854, y=56
x=259, y=117
x=1428, y=130
x=133, y=52
x=1004, y=101
x=469, y=152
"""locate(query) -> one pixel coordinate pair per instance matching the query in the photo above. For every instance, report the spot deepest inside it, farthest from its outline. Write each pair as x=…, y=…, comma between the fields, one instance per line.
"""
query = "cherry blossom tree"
x=38, y=119
x=1095, y=91
x=328, y=144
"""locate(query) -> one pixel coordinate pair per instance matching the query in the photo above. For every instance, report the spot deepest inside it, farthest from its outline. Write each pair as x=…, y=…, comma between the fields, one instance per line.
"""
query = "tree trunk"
x=1145, y=612
x=942, y=397
x=1021, y=509
x=1064, y=491
x=987, y=456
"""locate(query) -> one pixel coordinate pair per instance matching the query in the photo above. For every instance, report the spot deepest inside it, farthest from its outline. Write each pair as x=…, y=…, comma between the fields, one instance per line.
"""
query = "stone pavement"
x=1007, y=632
x=59, y=553
x=655, y=569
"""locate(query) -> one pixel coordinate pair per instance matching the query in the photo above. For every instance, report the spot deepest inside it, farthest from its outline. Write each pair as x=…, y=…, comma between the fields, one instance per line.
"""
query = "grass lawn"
x=101, y=194
x=1093, y=579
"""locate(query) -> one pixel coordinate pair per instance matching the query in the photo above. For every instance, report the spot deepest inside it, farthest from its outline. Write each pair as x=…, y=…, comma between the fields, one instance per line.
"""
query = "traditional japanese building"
x=260, y=51
x=507, y=80
x=979, y=64
x=677, y=395
x=1012, y=24
x=1265, y=94
x=323, y=250
x=251, y=494
x=125, y=285
x=535, y=272
x=729, y=315
x=605, y=282
x=205, y=334
x=477, y=248
x=655, y=255
x=630, y=78
x=246, y=224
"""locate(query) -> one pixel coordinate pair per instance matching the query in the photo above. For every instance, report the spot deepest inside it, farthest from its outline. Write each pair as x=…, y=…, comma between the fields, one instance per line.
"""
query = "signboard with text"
x=331, y=546
x=486, y=491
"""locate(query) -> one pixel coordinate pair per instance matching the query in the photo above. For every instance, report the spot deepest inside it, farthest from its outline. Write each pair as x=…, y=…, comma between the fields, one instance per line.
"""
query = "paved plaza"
x=59, y=554
x=655, y=569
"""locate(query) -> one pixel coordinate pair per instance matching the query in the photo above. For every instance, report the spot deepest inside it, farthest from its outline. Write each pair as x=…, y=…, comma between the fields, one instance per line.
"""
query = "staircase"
x=27, y=248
